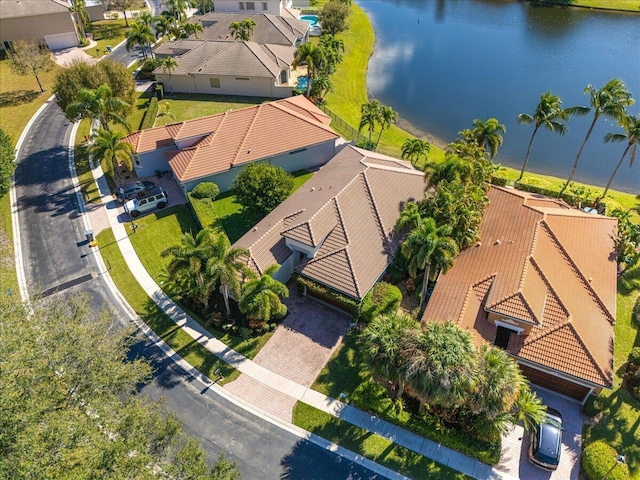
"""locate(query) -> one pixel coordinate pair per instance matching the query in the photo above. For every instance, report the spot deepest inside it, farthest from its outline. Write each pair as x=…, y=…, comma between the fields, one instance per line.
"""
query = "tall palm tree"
x=383, y=340
x=177, y=10
x=169, y=64
x=549, y=115
x=192, y=29
x=370, y=117
x=321, y=86
x=260, y=298
x=312, y=56
x=140, y=34
x=79, y=8
x=111, y=151
x=487, y=135
x=187, y=267
x=427, y=245
x=162, y=25
x=388, y=117
x=631, y=126
x=242, y=30
x=333, y=49
x=145, y=18
x=410, y=217
x=226, y=268
x=414, y=149
x=611, y=101
x=99, y=104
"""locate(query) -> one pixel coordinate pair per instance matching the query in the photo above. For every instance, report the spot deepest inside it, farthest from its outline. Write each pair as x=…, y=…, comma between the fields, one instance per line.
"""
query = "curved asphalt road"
x=55, y=257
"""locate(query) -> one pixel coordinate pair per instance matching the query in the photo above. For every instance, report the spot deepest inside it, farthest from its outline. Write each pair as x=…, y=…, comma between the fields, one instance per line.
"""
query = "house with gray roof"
x=228, y=68
x=269, y=28
x=47, y=22
x=338, y=229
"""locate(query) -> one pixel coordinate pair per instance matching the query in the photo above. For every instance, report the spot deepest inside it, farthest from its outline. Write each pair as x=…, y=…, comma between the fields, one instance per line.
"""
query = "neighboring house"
x=268, y=29
x=540, y=284
x=95, y=10
x=338, y=229
x=292, y=133
x=228, y=68
x=274, y=7
x=48, y=22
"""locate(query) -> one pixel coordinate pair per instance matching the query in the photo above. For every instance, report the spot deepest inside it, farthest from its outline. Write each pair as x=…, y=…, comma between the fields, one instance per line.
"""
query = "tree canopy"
x=333, y=16
x=260, y=188
x=27, y=58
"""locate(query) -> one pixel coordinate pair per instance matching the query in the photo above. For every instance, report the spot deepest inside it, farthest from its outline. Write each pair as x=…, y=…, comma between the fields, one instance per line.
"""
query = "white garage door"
x=61, y=40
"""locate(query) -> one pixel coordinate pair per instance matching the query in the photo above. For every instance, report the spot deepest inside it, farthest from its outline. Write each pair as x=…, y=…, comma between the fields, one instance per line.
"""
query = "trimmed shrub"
x=382, y=299
x=635, y=316
x=330, y=296
x=159, y=91
x=203, y=211
x=150, y=115
x=597, y=460
x=206, y=190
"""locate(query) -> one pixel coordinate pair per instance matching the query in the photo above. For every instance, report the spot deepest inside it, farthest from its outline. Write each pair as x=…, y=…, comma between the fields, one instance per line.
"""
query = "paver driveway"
x=298, y=350
x=514, y=458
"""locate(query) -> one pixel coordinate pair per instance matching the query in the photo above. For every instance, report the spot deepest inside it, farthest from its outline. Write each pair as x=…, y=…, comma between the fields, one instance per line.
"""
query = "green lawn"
x=232, y=220
x=371, y=446
x=106, y=32
x=624, y=5
x=185, y=106
x=8, y=280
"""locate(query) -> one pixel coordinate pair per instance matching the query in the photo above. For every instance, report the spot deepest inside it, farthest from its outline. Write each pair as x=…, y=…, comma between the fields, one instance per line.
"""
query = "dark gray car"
x=546, y=441
x=127, y=192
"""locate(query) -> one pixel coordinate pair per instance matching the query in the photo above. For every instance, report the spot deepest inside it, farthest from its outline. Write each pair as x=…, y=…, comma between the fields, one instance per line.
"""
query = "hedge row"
x=202, y=210
x=598, y=458
x=330, y=296
x=150, y=115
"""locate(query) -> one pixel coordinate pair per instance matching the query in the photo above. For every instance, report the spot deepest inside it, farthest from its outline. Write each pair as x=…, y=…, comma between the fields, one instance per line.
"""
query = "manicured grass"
x=623, y=5
x=232, y=220
x=20, y=97
x=106, y=32
x=185, y=106
x=348, y=372
x=620, y=422
x=371, y=446
x=199, y=357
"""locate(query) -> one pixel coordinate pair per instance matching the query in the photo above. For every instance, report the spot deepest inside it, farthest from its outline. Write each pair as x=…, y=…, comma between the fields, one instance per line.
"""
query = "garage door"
x=556, y=384
x=61, y=40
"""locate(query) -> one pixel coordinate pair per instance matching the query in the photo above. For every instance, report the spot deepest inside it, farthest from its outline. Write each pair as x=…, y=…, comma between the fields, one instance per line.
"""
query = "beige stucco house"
x=540, y=284
x=274, y=7
x=47, y=22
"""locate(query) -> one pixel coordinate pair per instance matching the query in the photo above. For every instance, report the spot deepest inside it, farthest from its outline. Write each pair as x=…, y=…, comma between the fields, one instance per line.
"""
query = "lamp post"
x=619, y=461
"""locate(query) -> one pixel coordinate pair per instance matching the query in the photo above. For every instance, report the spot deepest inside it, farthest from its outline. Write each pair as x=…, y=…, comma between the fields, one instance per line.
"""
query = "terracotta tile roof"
x=225, y=58
x=347, y=211
x=217, y=143
x=269, y=28
x=542, y=263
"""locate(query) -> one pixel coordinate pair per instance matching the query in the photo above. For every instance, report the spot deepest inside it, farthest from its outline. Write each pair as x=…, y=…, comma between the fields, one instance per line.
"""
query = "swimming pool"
x=312, y=19
x=302, y=83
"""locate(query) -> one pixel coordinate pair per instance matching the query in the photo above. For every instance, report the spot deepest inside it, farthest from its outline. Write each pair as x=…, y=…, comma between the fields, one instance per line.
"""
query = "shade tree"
x=260, y=188
x=27, y=58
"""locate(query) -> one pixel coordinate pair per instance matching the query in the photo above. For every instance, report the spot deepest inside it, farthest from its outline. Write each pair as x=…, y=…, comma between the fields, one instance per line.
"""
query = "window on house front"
x=241, y=5
x=251, y=6
x=283, y=77
x=136, y=160
x=265, y=6
x=214, y=82
x=242, y=78
x=502, y=337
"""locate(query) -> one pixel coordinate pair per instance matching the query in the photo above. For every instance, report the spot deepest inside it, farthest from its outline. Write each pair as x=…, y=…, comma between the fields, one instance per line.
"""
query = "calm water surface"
x=442, y=63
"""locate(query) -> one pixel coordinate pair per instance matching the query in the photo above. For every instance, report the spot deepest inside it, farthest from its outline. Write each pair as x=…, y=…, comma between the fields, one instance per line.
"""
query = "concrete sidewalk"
x=332, y=406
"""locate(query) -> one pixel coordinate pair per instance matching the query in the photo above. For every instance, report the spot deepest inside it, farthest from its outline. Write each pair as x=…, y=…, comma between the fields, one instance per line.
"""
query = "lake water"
x=441, y=63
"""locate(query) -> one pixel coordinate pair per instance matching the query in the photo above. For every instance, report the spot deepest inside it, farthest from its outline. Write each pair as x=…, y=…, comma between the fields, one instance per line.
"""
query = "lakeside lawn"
x=622, y=5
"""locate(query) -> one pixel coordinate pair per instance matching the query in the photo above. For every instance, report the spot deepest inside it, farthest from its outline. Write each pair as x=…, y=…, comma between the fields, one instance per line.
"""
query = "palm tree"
x=162, y=25
x=333, y=49
x=383, y=340
x=187, y=268
x=440, y=365
x=611, y=101
x=487, y=135
x=312, y=56
x=243, y=30
x=528, y=409
x=321, y=86
x=550, y=115
x=410, y=217
x=169, y=64
x=177, y=9
x=388, y=116
x=140, y=34
x=226, y=268
x=145, y=18
x=109, y=148
x=260, y=298
x=82, y=17
x=414, y=149
x=99, y=104
x=370, y=117
x=631, y=125
x=192, y=29
x=427, y=245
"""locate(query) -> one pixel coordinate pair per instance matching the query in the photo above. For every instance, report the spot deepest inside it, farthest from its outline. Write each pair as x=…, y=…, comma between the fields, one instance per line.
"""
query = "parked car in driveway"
x=150, y=200
x=546, y=441
x=127, y=192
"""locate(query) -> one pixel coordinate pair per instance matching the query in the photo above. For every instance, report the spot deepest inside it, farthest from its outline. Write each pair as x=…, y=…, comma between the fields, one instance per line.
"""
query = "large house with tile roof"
x=540, y=284
x=273, y=29
x=47, y=22
x=228, y=68
x=290, y=133
x=274, y=7
x=338, y=229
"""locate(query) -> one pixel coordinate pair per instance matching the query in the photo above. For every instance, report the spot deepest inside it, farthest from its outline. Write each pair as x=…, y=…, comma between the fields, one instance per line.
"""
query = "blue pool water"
x=312, y=19
x=302, y=83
